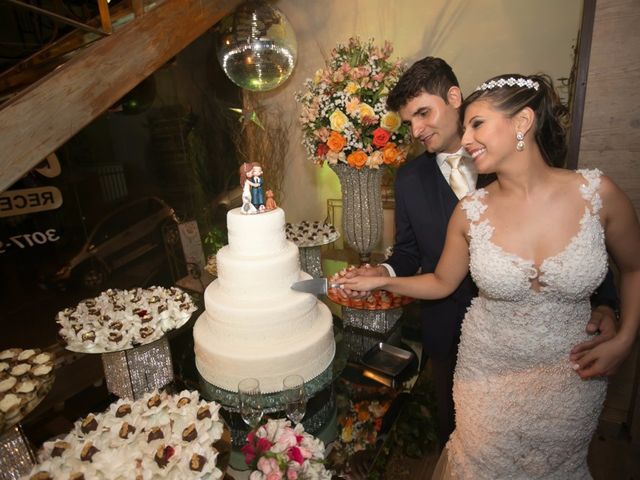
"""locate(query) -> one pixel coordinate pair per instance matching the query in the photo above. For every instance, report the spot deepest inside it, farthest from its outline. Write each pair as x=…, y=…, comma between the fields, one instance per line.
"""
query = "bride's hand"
x=361, y=283
x=604, y=359
x=603, y=325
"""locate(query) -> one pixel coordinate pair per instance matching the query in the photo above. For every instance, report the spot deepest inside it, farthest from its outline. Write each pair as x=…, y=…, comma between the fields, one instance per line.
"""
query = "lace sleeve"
x=473, y=206
x=589, y=190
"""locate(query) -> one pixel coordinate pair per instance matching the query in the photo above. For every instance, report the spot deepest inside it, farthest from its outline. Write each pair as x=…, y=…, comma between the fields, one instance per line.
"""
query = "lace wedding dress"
x=521, y=411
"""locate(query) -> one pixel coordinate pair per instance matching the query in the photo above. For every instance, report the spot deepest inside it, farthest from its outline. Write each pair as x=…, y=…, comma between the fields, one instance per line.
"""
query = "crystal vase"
x=361, y=207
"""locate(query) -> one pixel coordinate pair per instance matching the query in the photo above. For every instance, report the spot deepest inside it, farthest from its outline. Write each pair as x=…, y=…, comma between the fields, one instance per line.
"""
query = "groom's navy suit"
x=424, y=204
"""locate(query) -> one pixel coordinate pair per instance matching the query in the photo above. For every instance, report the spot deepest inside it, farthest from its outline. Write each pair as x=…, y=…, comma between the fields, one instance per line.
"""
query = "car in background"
x=121, y=237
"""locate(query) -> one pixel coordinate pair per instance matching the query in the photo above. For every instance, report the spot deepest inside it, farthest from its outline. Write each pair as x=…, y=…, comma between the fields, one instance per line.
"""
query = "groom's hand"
x=365, y=270
x=604, y=327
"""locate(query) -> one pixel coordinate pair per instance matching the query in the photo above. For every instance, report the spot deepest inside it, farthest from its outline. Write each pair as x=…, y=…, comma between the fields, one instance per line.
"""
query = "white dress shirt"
x=466, y=167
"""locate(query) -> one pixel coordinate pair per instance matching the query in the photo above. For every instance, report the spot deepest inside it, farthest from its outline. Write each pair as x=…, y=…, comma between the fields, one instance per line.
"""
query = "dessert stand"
x=309, y=237
x=16, y=454
x=137, y=364
x=133, y=372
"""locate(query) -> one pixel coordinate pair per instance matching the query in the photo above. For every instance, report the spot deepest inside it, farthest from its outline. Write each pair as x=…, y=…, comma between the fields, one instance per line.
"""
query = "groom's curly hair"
x=431, y=75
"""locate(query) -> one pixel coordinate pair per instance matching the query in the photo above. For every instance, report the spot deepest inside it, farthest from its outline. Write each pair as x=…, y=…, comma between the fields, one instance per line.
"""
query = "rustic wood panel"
x=611, y=126
x=610, y=140
x=44, y=116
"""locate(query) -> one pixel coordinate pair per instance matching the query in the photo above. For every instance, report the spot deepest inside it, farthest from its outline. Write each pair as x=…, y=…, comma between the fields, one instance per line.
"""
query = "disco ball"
x=256, y=46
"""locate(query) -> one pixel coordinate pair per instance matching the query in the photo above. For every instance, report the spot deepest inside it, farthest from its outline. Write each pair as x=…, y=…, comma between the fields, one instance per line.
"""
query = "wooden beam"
x=138, y=7
x=45, y=115
x=48, y=58
x=105, y=18
x=580, y=93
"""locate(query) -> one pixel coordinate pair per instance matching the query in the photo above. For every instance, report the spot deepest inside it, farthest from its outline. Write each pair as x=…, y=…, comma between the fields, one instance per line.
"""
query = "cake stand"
x=368, y=322
x=309, y=237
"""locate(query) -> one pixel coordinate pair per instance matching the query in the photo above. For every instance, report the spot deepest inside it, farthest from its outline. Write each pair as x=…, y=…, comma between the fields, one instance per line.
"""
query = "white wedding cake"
x=254, y=325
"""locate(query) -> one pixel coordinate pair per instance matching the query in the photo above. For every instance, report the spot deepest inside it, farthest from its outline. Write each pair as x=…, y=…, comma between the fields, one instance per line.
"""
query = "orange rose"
x=336, y=142
x=357, y=159
x=390, y=153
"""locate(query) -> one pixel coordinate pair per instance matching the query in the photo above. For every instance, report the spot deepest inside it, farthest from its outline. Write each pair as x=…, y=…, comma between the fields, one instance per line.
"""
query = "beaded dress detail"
x=521, y=410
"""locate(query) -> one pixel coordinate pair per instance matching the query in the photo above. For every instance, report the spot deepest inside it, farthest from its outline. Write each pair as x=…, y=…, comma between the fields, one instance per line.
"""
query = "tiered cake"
x=254, y=325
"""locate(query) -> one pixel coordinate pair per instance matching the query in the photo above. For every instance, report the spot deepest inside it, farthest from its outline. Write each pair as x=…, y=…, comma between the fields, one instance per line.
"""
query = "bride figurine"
x=246, y=170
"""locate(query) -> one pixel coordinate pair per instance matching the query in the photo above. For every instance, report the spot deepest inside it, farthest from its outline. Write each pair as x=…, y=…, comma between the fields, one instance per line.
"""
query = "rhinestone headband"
x=501, y=82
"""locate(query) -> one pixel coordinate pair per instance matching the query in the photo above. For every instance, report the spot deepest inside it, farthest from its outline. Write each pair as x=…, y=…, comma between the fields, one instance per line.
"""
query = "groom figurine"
x=427, y=189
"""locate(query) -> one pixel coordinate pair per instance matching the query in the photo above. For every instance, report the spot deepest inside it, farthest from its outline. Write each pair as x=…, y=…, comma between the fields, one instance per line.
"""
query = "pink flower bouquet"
x=276, y=451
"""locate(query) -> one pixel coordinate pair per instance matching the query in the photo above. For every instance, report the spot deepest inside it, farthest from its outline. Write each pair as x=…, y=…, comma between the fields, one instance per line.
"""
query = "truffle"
x=154, y=401
x=88, y=451
x=127, y=429
x=123, y=410
x=197, y=462
x=190, y=433
x=203, y=412
x=59, y=448
x=89, y=424
x=154, y=434
x=162, y=456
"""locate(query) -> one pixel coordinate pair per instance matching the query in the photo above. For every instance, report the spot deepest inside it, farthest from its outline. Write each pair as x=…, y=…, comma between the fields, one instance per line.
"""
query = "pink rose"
x=292, y=475
x=296, y=455
x=263, y=445
x=269, y=466
x=380, y=137
x=249, y=453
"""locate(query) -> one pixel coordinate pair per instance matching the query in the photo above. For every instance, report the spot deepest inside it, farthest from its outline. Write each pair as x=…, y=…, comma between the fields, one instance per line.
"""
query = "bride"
x=536, y=242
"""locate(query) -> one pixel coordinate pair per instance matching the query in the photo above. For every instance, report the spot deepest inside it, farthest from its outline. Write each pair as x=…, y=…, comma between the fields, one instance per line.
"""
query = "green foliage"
x=214, y=240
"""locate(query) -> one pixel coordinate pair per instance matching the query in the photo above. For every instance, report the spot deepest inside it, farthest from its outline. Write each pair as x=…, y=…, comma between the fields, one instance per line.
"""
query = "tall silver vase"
x=361, y=207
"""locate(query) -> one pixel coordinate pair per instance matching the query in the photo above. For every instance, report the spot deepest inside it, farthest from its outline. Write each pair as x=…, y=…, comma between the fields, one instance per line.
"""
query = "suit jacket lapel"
x=440, y=199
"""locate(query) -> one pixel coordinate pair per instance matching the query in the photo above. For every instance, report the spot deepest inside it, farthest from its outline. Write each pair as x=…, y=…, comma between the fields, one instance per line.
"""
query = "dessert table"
x=366, y=429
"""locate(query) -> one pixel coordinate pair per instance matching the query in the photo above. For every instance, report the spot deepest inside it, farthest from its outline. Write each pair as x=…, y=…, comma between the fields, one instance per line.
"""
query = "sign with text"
x=29, y=200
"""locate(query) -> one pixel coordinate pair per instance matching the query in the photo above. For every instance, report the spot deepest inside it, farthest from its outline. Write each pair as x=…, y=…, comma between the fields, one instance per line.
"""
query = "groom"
x=427, y=190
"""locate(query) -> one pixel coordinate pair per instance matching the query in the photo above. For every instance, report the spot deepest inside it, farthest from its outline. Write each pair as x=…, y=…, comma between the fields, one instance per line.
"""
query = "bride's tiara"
x=510, y=82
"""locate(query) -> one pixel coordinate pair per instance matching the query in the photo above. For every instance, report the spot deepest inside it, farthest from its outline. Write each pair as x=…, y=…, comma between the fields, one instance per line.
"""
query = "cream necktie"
x=456, y=179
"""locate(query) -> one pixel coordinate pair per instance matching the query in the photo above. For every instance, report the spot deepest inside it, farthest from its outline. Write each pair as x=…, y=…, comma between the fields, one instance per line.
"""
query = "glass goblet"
x=250, y=401
x=295, y=397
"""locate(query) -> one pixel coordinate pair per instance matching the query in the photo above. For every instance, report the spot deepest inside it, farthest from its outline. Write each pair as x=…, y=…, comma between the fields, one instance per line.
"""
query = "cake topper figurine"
x=245, y=183
x=271, y=203
x=253, y=196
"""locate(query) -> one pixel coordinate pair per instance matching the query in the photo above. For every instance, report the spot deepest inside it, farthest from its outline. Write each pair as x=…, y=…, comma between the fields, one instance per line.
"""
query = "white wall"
x=479, y=38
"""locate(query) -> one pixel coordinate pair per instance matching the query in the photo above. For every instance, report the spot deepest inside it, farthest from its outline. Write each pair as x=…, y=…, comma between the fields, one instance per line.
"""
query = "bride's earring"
x=520, y=144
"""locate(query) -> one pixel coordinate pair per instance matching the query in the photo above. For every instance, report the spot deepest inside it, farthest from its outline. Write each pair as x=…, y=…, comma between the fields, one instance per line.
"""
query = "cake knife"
x=317, y=286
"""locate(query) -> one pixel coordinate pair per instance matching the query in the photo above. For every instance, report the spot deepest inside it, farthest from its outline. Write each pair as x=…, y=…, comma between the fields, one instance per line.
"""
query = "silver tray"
x=387, y=359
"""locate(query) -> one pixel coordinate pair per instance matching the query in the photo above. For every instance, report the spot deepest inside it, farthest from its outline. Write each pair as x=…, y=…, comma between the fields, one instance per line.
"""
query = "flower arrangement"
x=360, y=426
x=343, y=110
x=275, y=451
